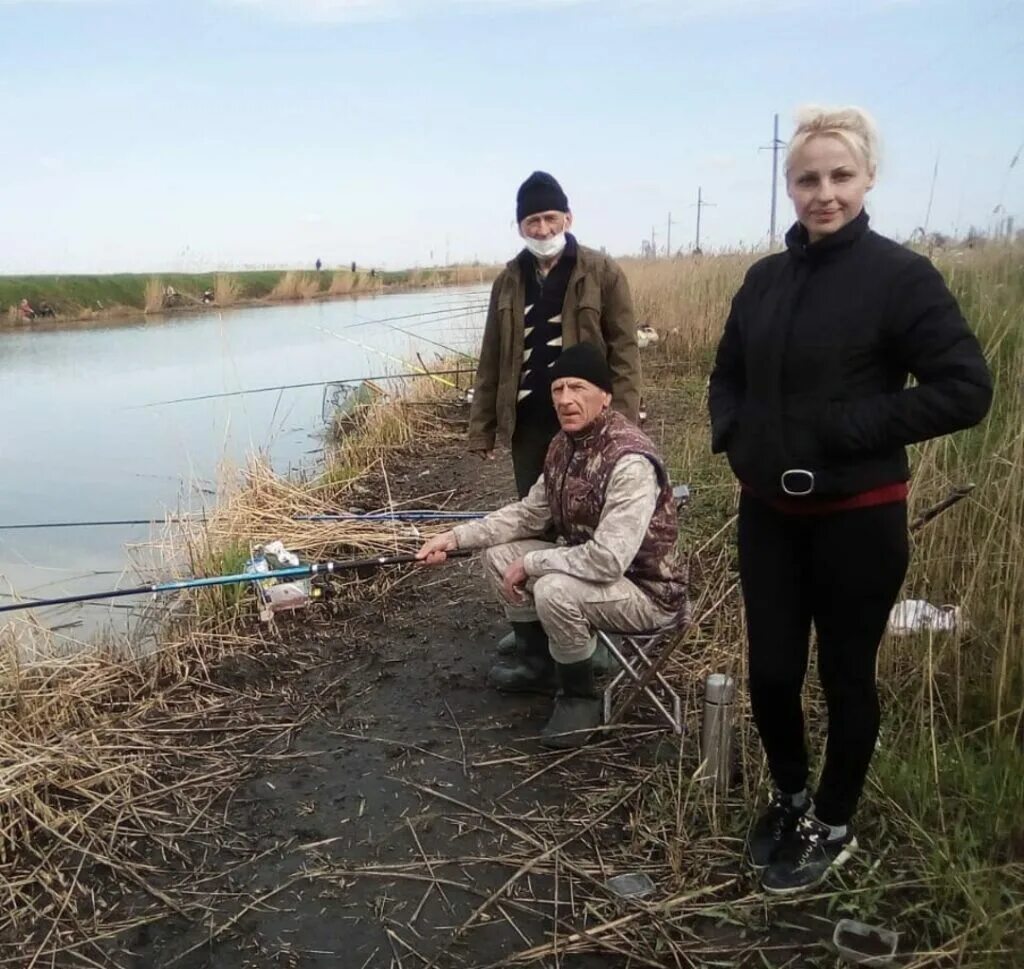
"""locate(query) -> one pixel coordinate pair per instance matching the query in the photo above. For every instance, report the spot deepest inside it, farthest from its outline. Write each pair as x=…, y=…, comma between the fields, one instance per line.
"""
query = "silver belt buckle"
x=797, y=482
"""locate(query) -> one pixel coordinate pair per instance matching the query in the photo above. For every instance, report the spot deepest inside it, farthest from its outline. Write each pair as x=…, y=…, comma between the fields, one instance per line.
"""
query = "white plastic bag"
x=916, y=615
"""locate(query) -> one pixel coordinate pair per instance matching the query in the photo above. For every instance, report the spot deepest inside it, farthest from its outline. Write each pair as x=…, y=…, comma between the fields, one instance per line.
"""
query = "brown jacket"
x=597, y=309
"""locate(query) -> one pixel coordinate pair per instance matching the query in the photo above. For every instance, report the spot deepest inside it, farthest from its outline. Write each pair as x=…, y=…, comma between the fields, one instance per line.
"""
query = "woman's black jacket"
x=811, y=371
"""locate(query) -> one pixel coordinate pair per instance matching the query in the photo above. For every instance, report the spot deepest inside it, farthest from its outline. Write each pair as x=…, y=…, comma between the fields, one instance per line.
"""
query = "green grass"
x=68, y=294
x=77, y=296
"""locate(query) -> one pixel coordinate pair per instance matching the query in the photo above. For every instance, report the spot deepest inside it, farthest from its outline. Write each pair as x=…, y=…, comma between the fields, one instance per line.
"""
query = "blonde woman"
x=809, y=399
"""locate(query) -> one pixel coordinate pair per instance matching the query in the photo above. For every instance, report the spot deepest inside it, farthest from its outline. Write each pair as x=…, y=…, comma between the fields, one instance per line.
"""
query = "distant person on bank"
x=605, y=491
x=554, y=294
x=809, y=399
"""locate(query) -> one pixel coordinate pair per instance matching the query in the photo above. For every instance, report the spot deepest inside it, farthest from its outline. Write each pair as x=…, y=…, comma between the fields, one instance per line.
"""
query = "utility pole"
x=654, y=251
x=668, y=236
x=775, y=147
x=700, y=205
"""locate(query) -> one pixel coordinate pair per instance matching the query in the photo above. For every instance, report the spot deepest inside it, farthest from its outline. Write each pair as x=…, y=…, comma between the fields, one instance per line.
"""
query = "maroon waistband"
x=815, y=505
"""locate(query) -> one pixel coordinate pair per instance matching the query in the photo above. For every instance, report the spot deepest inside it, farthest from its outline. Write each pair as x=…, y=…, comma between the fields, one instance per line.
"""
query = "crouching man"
x=605, y=491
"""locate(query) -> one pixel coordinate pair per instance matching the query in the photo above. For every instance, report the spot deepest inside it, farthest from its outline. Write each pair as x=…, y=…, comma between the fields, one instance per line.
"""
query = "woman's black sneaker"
x=773, y=825
x=806, y=857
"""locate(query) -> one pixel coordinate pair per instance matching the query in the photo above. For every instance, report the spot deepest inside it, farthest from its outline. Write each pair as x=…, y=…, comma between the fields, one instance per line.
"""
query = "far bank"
x=85, y=298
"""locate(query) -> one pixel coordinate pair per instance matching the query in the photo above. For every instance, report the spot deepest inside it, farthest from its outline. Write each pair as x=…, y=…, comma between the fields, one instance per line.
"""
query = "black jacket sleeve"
x=728, y=379
x=930, y=338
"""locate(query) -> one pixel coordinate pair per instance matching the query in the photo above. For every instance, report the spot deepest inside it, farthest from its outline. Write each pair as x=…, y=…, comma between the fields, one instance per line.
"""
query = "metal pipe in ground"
x=716, y=731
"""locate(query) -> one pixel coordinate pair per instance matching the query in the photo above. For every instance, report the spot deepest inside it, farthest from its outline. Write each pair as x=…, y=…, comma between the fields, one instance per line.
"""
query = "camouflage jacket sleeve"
x=628, y=506
x=528, y=518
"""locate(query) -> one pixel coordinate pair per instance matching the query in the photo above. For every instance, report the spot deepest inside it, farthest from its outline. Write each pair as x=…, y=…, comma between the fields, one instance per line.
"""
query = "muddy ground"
x=402, y=794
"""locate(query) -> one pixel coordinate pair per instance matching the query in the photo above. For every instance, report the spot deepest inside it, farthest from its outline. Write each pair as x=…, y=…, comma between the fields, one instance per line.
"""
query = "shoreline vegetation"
x=96, y=298
x=943, y=835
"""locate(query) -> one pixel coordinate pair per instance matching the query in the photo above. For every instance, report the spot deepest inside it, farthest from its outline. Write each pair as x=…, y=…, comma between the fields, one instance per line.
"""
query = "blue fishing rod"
x=292, y=572
x=412, y=515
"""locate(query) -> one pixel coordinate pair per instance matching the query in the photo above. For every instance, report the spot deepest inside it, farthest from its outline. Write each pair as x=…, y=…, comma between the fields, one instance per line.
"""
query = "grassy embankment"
x=91, y=297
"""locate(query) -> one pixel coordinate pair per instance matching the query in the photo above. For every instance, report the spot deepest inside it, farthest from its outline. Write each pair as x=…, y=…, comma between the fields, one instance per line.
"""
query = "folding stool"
x=637, y=653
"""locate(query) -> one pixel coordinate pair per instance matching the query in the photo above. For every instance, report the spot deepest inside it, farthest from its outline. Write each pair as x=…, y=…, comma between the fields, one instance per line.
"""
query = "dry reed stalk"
x=293, y=285
x=103, y=752
x=343, y=282
x=154, y=297
x=100, y=755
x=227, y=290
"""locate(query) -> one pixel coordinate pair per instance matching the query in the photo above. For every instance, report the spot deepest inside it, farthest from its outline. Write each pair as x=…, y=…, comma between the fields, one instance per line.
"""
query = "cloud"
x=51, y=3
x=362, y=10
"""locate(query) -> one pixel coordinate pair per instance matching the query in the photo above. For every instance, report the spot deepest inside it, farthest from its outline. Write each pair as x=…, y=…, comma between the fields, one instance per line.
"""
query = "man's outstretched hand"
x=434, y=551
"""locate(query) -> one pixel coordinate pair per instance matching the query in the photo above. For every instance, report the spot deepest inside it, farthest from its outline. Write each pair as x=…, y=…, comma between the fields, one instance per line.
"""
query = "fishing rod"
x=90, y=524
x=414, y=514
x=311, y=383
x=328, y=567
x=426, y=339
x=462, y=311
x=681, y=493
x=957, y=494
x=424, y=372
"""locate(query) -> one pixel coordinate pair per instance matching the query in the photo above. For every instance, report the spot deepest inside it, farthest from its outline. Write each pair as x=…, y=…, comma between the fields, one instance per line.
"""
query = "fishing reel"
x=279, y=595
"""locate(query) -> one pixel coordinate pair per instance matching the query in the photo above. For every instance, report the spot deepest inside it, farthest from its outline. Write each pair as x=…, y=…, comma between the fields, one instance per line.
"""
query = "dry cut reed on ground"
x=111, y=762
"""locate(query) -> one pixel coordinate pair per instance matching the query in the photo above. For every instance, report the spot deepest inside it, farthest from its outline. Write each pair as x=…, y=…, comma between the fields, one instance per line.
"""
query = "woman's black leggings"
x=842, y=571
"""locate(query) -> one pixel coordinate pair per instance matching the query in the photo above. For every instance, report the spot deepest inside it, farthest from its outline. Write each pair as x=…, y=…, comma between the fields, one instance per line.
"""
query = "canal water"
x=85, y=434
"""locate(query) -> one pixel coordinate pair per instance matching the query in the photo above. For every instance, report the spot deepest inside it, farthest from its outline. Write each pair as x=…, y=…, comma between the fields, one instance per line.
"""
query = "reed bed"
x=112, y=761
x=110, y=765
x=344, y=283
x=293, y=285
x=154, y=296
x=226, y=289
x=941, y=822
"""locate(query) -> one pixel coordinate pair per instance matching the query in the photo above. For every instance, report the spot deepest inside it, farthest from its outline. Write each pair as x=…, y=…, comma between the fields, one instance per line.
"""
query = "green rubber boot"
x=577, y=710
x=604, y=662
x=530, y=669
x=507, y=645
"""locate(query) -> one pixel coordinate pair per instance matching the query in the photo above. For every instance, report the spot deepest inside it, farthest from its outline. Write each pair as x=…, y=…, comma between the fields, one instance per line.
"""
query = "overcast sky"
x=149, y=135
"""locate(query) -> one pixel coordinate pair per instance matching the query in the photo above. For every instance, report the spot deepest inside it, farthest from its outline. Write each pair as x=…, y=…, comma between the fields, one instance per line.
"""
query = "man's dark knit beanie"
x=540, y=193
x=583, y=360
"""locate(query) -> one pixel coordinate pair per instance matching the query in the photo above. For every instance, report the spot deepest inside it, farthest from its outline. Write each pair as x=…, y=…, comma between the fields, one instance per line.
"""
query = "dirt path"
x=405, y=816
x=406, y=769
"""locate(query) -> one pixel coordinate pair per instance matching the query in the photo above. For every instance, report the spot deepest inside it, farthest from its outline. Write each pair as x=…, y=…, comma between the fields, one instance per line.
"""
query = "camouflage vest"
x=576, y=475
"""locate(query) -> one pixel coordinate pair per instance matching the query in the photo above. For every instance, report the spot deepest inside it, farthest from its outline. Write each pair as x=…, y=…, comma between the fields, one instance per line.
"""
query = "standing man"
x=554, y=294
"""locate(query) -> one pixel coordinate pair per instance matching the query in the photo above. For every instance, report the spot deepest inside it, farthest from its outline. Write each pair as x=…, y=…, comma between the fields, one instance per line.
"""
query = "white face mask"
x=546, y=248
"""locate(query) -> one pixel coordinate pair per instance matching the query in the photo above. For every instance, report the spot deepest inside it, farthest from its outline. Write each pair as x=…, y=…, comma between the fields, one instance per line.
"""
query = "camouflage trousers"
x=570, y=609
